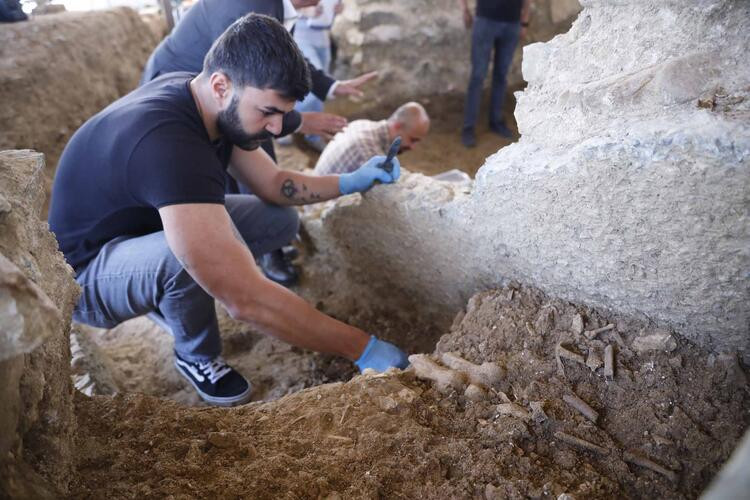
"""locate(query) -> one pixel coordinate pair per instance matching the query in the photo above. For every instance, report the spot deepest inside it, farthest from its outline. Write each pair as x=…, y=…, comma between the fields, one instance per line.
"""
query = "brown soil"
x=394, y=436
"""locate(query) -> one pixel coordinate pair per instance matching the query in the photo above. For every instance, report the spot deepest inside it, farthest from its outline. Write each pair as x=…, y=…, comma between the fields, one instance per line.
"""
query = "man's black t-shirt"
x=145, y=151
x=508, y=11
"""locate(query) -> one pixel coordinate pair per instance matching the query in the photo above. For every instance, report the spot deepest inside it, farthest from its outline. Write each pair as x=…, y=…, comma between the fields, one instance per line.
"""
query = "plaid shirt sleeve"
x=349, y=149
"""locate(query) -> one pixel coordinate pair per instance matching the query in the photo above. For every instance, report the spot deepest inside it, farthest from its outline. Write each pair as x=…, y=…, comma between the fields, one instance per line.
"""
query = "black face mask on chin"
x=228, y=122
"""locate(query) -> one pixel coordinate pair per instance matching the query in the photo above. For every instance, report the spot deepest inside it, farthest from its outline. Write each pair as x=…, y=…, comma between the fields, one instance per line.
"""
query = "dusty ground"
x=396, y=436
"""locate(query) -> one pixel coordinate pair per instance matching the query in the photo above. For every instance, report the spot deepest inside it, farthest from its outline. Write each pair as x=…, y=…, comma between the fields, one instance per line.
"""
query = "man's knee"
x=287, y=220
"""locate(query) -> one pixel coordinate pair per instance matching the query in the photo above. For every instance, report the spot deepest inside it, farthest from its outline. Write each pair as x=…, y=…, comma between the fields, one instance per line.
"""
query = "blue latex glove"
x=380, y=355
x=365, y=176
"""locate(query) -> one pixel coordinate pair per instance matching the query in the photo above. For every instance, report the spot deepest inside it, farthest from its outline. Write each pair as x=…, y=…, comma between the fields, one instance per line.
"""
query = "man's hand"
x=325, y=125
x=380, y=355
x=351, y=87
x=365, y=176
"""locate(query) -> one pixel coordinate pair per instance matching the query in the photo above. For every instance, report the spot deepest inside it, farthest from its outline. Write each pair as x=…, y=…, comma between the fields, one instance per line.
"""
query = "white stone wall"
x=629, y=188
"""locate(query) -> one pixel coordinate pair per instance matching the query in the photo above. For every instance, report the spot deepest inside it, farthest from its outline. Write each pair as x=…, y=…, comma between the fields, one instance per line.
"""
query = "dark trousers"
x=486, y=36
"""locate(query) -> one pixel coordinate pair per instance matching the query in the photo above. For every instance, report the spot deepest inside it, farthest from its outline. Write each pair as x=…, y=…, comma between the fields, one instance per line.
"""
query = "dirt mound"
x=56, y=71
x=395, y=436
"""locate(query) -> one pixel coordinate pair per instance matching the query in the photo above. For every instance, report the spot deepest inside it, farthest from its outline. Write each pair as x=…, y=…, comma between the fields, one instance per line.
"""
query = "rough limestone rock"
x=422, y=48
x=628, y=189
x=37, y=294
x=58, y=70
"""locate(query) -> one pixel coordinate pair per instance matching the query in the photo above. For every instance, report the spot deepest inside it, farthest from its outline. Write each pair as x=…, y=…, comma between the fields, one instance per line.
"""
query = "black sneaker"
x=277, y=267
x=216, y=382
x=501, y=130
x=468, y=139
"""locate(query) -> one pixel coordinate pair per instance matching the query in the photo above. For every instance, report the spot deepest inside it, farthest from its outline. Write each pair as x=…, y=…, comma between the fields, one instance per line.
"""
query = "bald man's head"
x=411, y=122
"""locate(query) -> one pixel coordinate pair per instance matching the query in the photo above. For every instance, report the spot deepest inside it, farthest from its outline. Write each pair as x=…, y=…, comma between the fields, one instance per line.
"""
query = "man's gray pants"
x=133, y=276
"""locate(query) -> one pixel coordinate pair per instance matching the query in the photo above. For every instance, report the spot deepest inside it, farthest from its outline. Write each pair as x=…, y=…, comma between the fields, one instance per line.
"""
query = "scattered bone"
x=581, y=443
x=510, y=295
x=513, y=410
x=566, y=496
x=648, y=464
x=594, y=359
x=222, y=439
x=537, y=411
x=444, y=378
x=567, y=354
x=582, y=407
x=591, y=334
x=661, y=440
x=344, y=414
x=344, y=439
x=609, y=362
x=530, y=329
x=486, y=374
x=474, y=392
x=660, y=340
x=503, y=396
x=576, y=326
x=618, y=339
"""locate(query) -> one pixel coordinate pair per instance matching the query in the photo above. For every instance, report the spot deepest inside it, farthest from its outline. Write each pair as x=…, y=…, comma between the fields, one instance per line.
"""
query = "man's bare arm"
x=203, y=238
x=282, y=187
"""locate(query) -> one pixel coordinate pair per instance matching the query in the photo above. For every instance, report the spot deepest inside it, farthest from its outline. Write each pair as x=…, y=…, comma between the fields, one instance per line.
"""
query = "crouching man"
x=139, y=209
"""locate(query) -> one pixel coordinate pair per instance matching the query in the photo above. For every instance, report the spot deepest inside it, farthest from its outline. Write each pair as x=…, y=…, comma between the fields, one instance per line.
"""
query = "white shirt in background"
x=315, y=30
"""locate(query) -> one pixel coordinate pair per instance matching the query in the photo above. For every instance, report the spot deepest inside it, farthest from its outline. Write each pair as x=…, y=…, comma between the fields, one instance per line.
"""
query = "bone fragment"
x=576, y=326
x=503, y=396
x=444, y=378
x=573, y=356
x=594, y=359
x=609, y=362
x=591, y=334
x=486, y=374
x=645, y=462
x=581, y=443
x=513, y=410
x=581, y=406
x=537, y=411
x=475, y=393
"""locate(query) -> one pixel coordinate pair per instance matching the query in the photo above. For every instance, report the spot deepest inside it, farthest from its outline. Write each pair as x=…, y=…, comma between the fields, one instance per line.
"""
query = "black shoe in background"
x=11, y=11
x=277, y=267
x=216, y=382
x=468, y=138
x=501, y=130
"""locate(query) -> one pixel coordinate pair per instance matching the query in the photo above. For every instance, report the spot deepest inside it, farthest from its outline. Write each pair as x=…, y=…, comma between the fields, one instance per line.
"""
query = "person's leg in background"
x=481, y=49
x=320, y=57
x=131, y=277
x=505, y=44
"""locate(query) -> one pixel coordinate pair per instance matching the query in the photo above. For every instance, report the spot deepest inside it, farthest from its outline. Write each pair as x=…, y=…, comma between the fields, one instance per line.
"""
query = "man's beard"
x=228, y=122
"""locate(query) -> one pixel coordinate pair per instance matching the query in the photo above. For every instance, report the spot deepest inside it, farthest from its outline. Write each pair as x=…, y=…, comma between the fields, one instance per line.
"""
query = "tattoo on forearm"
x=290, y=190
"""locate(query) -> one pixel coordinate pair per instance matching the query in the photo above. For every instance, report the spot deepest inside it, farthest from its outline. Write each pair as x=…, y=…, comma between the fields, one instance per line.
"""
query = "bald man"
x=365, y=138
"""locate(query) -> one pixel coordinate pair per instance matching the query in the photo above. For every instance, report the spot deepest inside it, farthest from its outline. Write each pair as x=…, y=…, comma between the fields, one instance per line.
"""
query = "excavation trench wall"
x=56, y=71
x=629, y=188
x=37, y=294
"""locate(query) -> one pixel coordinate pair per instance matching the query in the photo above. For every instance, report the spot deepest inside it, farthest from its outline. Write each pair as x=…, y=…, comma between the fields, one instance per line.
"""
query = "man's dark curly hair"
x=258, y=51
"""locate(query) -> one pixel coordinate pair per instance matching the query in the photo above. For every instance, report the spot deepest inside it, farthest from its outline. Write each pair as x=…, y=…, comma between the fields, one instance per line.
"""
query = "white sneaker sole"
x=214, y=400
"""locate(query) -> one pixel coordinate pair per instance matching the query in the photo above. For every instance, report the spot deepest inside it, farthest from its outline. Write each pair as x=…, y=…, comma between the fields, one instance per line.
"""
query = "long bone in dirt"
x=487, y=374
x=444, y=378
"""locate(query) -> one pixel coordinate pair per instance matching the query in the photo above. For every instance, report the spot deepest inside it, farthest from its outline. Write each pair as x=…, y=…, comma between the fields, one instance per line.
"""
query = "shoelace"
x=214, y=369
